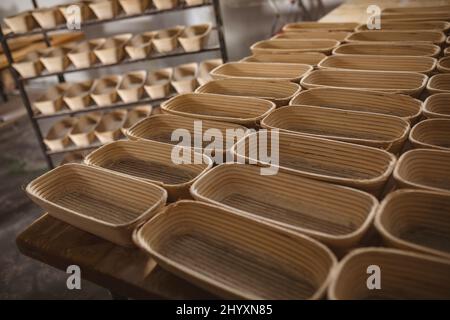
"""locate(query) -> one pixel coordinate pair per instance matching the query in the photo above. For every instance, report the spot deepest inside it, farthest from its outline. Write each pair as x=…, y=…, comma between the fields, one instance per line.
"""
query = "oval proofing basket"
x=431, y=134
x=375, y=130
x=416, y=220
x=310, y=58
x=234, y=257
x=431, y=36
x=442, y=26
x=437, y=106
x=320, y=26
x=294, y=46
x=430, y=276
x=439, y=83
x=152, y=162
x=336, y=215
x=245, y=111
x=390, y=49
x=97, y=201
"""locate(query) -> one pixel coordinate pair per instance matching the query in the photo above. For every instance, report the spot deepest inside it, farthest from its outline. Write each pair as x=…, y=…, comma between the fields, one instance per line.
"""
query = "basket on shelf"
x=184, y=77
x=97, y=201
x=159, y=127
x=131, y=86
x=109, y=128
x=81, y=11
x=443, y=65
x=22, y=22
x=82, y=133
x=245, y=111
x=398, y=267
x=165, y=4
x=410, y=83
x=425, y=65
x=51, y=101
x=431, y=133
x=439, y=83
x=271, y=71
x=313, y=35
x=311, y=58
x=442, y=26
x=135, y=115
x=257, y=261
x=57, y=137
x=55, y=59
x=195, y=37
x=29, y=66
x=371, y=129
x=194, y=2
x=157, y=84
x=104, y=90
x=337, y=162
x=437, y=106
x=104, y=9
x=402, y=106
x=431, y=36
x=279, y=92
x=320, y=26
x=205, y=67
x=424, y=169
x=112, y=50
x=131, y=7
x=82, y=56
x=166, y=40
x=416, y=220
x=139, y=46
x=336, y=215
x=289, y=46
x=48, y=17
x=389, y=49
x=152, y=162
x=78, y=95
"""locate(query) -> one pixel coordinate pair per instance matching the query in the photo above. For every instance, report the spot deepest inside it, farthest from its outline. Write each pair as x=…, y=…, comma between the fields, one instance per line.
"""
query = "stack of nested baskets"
x=319, y=166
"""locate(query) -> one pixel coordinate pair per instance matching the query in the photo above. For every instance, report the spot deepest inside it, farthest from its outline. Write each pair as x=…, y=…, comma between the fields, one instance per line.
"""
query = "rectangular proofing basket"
x=375, y=130
x=416, y=220
x=410, y=83
x=348, y=164
x=160, y=127
x=320, y=26
x=245, y=111
x=97, y=201
x=442, y=26
x=336, y=215
x=402, y=106
x=405, y=275
x=389, y=49
x=234, y=257
x=311, y=58
x=151, y=161
x=279, y=92
x=294, y=46
x=272, y=71
x=431, y=36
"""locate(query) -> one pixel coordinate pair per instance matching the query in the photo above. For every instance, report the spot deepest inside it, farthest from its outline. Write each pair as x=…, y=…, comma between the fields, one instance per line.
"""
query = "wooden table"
x=130, y=272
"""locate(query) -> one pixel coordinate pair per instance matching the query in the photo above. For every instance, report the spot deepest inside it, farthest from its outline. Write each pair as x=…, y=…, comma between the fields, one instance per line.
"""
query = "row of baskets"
x=112, y=50
x=130, y=87
x=93, y=128
x=87, y=10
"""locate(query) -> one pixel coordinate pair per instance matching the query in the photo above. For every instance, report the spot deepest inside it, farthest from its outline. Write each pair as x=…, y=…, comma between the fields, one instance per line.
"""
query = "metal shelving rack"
x=20, y=81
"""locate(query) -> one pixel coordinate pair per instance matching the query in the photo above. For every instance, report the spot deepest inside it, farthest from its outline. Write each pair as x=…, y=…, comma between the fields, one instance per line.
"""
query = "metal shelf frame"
x=21, y=82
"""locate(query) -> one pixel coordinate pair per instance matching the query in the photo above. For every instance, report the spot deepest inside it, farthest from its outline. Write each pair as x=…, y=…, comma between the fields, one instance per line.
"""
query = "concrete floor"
x=21, y=277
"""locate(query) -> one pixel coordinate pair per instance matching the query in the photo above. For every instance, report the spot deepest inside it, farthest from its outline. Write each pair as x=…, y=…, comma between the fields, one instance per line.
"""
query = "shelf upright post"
x=24, y=96
x=219, y=24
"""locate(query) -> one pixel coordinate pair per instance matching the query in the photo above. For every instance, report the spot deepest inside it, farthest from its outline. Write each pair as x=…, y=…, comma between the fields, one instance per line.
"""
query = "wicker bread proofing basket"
x=410, y=83
x=313, y=35
x=77, y=95
x=431, y=134
x=389, y=49
x=159, y=127
x=404, y=275
x=246, y=111
x=311, y=58
x=279, y=92
x=294, y=46
x=442, y=26
x=424, y=169
x=437, y=106
x=416, y=220
x=151, y=161
x=431, y=36
x=425, y=65
x=320, y=26
x=439, y=83
x=194, y=38
x=273, y=71
x=401, y=106
x=375, y=130
x=234, y=257
x=336, y=215
x=96, y=200
x=444, y=65
x=338, y=162
x=416, y=9
x=48, y=17
x=21, y=22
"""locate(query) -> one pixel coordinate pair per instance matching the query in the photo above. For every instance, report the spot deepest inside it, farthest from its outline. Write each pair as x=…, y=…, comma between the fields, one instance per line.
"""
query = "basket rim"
x=138, y=239
x=145, y=213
